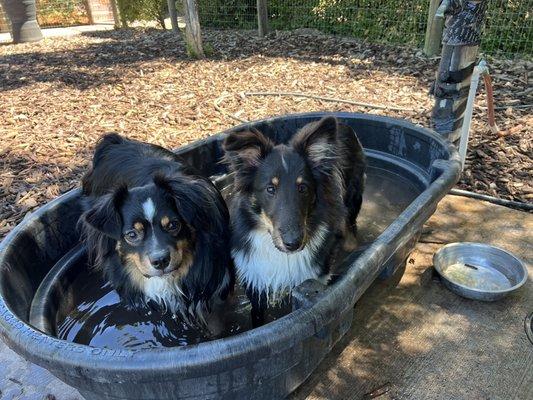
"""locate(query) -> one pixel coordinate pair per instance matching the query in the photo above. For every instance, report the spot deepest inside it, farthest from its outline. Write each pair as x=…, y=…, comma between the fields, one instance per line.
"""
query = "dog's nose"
x=160, y=261
x=292, y=244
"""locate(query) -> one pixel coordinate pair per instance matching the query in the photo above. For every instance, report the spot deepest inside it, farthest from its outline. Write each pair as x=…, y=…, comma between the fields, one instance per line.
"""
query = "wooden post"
x=262, y=17
x=434, y=29
x=89, y=11
x=116, y=16
x=173, y=15
x=193, y=34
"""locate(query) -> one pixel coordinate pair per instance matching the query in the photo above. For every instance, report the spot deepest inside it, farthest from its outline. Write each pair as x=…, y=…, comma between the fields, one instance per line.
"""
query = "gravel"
x=59, y=95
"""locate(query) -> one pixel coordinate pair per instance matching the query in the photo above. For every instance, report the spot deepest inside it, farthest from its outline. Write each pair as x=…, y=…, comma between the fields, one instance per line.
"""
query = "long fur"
x=263, y=261
x=121, y=164
x=336, y=160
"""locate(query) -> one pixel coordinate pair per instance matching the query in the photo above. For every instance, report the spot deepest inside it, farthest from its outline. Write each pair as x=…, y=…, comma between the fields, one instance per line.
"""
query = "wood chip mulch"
x=59, y=95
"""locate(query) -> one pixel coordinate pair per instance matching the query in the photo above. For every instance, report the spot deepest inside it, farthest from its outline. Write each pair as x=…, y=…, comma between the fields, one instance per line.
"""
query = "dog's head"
x=284, y=181
x=154, y=226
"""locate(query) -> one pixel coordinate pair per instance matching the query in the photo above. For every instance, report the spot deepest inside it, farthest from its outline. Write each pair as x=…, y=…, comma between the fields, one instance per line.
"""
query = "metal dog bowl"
x=479, y=271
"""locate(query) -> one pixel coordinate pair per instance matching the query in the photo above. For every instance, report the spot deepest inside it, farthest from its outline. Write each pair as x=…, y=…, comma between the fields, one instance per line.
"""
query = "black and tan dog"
x=159, y=233
x=292, y=205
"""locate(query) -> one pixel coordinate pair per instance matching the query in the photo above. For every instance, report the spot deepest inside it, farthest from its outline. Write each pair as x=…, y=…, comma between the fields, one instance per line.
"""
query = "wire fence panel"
x=101, y=11
x=4, y=21
x=232, y=14
x=375, y=21
x=57, y=13
x=508, y=28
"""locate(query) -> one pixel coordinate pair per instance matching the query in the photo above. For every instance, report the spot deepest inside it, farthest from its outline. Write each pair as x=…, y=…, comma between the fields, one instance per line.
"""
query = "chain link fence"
x=4, y=21
x=393, y=21
x=509, y=27
x=53, y=13
x=508, y=30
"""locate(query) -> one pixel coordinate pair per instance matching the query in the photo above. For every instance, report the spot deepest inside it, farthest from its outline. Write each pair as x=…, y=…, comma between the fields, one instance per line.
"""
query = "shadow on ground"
x=414, y=339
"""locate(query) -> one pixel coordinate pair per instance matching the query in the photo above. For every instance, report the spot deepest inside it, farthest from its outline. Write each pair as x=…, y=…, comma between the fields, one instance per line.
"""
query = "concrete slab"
x=411, y=338
x=68, y=31
x=22, y=380
x=78, y=30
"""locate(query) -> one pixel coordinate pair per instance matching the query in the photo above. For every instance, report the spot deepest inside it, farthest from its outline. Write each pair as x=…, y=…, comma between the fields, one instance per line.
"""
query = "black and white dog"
x=159, y=233
x=292, y=204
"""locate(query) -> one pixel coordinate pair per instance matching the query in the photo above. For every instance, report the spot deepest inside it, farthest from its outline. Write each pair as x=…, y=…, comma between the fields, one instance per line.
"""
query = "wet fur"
x=206, y=274
x=336, y=160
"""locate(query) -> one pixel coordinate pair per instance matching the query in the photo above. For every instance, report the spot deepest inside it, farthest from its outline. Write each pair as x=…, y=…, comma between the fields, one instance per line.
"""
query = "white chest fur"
x=269, y=270
x=163, y=290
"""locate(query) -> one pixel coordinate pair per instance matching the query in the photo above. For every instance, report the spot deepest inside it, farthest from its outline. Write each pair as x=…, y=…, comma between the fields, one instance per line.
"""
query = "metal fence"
x=61, y=13
x=53, y=13
x=4, y=22
x=508, y=30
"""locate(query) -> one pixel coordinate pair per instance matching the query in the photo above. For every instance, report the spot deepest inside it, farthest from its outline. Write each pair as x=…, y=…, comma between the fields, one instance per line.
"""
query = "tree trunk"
x=122, y=14
x=193, y=34
x=23, y=17
x=433, y=30
x=161, y=20
x=89, y=11
x=173, y=15
x=116, y=16
x=262, y=17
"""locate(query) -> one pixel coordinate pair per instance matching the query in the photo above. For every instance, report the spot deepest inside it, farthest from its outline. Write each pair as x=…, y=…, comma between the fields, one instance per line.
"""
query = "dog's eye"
x=271, y=189
x=173, y=226
x=302, y=188
x=132, y=236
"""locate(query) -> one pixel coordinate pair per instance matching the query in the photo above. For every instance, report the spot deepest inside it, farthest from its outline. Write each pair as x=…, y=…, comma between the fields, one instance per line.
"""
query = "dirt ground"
x=59, y=95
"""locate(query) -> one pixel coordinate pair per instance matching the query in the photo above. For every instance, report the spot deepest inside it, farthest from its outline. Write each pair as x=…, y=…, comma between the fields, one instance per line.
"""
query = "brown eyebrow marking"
x=164, y=221
x=275, y=181
x=139, y=226
x=299, y=180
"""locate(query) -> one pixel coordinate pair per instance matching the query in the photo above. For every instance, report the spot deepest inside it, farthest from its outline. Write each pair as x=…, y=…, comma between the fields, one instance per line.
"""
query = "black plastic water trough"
x=264, y=363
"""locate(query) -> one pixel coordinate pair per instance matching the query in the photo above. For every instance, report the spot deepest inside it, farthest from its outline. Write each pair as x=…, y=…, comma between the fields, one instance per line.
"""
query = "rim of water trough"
x=254, y=344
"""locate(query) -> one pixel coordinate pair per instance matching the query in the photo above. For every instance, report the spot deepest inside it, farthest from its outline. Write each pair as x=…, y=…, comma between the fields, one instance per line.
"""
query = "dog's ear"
x=104, y=216
x=317, y=141
x=197, y=200
x=246, y=148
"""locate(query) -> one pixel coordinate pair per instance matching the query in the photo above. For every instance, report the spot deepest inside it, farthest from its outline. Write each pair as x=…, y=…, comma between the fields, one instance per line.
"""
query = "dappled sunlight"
x=442, y=329
x=412, y=338
x=485, y=223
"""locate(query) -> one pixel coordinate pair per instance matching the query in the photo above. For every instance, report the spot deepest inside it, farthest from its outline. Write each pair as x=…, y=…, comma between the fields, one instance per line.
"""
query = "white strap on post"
x=479, y=70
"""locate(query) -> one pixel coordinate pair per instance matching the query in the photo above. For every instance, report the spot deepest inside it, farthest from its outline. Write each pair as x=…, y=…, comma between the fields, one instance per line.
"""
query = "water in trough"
x=95, y=316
